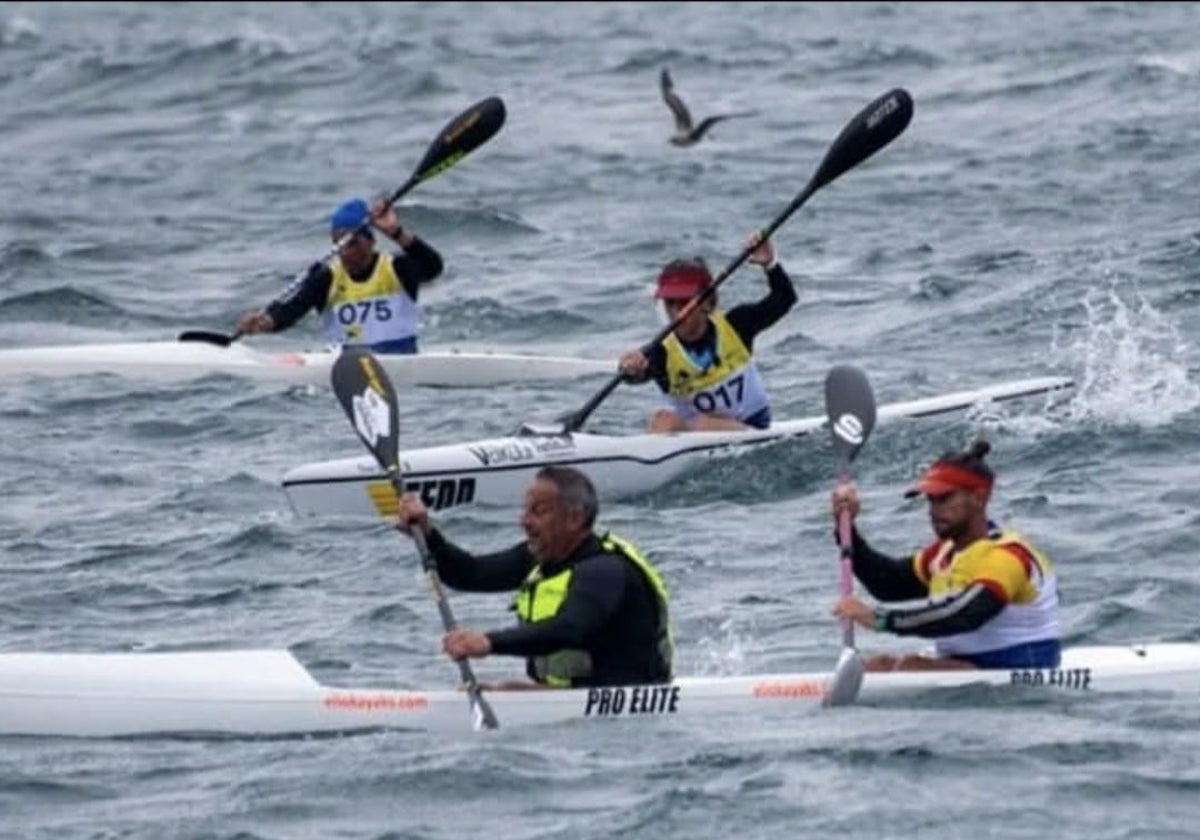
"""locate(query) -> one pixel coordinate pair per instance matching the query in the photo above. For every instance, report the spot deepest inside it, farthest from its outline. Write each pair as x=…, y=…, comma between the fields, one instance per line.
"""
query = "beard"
x=535, y=547
x=947, y=530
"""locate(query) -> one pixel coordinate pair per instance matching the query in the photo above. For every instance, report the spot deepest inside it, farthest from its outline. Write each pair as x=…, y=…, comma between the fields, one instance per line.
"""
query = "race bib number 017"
x=726, y=396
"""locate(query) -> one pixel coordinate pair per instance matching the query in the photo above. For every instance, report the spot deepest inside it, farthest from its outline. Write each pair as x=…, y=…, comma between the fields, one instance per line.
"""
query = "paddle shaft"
x=429, y=565
x=482, y=711
x=846, y=549
x=876, y=125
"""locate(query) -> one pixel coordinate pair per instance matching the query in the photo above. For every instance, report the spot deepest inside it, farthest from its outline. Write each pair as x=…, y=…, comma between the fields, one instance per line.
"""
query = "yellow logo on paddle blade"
x=368, y=363
x=383, y=496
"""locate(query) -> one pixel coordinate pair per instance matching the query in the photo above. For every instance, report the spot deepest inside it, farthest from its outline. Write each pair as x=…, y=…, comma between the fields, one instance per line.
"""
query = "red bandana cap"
x=681, y=282
x=944, y=477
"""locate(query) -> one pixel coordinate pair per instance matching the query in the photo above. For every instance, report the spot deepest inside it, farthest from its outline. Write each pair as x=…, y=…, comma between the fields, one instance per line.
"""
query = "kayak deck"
x=185, y=360
x=496, y=471
x=268, y=692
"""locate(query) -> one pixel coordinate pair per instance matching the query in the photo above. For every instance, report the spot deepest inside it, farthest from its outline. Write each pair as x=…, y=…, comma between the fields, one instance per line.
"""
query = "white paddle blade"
x=372, y=418
x=847, y=679
x=482, y=716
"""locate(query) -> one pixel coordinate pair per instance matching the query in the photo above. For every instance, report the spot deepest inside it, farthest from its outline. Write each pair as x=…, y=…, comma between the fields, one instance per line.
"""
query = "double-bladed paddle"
x=872, y=128
x=369, y=400
x=461, y=136
x=850, y=413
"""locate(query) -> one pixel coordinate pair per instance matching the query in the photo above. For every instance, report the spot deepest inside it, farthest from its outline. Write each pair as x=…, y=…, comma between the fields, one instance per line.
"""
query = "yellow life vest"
x=372, y=311
x=998, y=561
x=540, y=598
x=730, y=386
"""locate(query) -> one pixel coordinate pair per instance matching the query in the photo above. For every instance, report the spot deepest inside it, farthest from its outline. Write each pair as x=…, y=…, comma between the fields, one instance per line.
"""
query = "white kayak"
x=184, y=360
x=497, y=471
x=268, y=692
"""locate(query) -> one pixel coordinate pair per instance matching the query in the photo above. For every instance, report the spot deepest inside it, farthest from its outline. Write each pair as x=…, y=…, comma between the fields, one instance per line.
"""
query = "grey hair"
x=575, y=491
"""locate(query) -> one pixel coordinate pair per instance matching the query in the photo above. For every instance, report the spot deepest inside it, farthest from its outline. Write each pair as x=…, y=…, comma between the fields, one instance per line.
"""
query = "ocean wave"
x=66, y=304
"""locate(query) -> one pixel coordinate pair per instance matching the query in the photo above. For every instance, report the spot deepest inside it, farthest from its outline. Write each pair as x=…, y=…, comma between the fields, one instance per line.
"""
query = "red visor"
x=944, y=478
x=681, y=283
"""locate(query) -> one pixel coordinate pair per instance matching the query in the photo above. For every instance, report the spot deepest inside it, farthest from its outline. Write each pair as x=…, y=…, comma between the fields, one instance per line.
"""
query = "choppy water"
x=167, y=166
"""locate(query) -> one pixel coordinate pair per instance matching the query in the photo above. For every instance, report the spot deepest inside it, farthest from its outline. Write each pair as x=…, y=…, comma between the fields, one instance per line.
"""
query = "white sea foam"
x=1185, y=63
x=1131, y=362
x=722, y=654
x=17, y=30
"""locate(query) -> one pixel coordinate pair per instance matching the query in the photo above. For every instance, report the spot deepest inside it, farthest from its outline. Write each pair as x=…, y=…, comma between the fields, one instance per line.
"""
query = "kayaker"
x=989, y=597
x=591, y=609
x=705, y=368
x=363, y=296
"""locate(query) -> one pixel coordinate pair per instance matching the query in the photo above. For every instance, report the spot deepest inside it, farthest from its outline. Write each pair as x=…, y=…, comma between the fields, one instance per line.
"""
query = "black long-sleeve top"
x=419, y=264
x=895, y=579
x=609, y=610
x=747, y=320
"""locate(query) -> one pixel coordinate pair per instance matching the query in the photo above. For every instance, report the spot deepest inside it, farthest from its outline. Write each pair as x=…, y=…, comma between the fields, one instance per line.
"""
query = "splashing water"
x=1133, y=364
x=1186, y=63
x=724, y=655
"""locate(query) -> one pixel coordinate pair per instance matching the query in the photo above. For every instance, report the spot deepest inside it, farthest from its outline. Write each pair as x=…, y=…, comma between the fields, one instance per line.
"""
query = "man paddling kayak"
x=591, y=610
x=990, y=597
x=705, y=367
x=363, y=295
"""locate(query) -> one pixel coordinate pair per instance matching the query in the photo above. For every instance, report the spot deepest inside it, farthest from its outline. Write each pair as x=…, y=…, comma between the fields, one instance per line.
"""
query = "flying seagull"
x=685, y=133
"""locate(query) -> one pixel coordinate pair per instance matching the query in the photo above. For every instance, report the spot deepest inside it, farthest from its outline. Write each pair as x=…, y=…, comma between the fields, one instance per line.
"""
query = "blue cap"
x=350, y=216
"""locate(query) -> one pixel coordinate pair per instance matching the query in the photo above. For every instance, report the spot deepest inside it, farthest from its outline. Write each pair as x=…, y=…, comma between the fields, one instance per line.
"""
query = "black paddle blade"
x=369, y=400
x=874, y=127
x=461, y=136
x=219, y=339
x=849, y=409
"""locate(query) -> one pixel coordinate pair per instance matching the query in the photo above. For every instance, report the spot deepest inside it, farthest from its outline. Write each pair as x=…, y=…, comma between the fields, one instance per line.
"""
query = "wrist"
x=882, y=621
x=487, y=642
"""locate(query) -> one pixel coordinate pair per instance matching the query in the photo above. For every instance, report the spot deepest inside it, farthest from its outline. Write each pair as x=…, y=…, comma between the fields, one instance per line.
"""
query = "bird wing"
x=683, y=119
x=708, y=122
